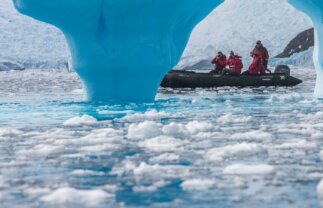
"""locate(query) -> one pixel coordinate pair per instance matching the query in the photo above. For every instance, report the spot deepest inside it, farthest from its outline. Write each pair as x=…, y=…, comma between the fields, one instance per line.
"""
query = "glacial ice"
x=314, y=9
x=122, y=49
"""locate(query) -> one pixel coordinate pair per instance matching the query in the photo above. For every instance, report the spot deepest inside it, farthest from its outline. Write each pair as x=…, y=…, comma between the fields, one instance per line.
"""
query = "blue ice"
x=122, y=49
x=314, y=9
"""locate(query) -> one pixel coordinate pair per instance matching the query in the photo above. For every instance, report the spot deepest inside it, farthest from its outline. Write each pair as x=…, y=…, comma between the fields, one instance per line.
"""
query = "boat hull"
x=185, y=79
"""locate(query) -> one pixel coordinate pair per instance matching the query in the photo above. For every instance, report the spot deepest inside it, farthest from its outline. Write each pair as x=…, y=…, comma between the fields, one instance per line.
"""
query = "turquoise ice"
x=122, y=49
x=314, y=9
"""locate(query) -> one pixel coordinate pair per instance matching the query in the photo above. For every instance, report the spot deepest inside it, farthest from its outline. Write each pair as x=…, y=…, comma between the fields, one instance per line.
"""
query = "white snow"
x=249, y=170
x=64, y=196
x=197, y=184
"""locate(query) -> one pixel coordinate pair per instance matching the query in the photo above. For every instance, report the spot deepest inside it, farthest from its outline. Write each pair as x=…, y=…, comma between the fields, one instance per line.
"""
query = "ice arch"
x=122, y=49
x=314, y=9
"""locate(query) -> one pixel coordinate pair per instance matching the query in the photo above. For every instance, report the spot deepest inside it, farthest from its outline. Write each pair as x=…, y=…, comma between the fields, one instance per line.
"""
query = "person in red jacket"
x=256, y=66
x=220, y=61
x=261, y=52
x=235, y=65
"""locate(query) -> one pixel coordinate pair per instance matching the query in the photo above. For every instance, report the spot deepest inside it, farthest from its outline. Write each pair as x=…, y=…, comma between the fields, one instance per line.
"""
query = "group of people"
x=234, y=63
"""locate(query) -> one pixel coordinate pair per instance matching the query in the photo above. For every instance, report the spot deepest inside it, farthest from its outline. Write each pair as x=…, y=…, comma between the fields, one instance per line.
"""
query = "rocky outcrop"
x=302, y=42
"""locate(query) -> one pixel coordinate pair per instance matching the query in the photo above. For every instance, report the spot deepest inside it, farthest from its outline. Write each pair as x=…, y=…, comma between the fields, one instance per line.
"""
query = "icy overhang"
x=122, y=48
x=314, y=9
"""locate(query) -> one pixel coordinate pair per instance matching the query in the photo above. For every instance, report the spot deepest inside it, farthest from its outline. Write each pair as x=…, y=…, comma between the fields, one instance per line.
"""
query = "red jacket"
x=260, y=52
x=220, y=62
x=235, y=64
x=257, y=67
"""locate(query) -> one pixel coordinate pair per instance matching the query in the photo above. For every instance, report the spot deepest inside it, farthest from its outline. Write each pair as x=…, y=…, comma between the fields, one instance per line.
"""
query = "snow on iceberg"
x=122, y=48
x=314, y=9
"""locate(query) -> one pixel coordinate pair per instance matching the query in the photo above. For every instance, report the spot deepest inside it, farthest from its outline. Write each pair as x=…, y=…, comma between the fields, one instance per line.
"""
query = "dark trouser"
x=245, y=73
x=229, y=72
x=266, y=64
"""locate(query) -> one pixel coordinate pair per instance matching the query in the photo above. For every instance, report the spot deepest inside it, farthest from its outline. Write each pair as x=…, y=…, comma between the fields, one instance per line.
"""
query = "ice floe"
x=197, y=184
x=79, y=121
x=237, y=150
x=67, y=195
x=249, y=170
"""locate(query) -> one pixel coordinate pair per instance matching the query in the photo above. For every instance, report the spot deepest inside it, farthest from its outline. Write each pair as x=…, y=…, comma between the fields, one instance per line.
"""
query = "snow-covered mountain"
x=235, y=25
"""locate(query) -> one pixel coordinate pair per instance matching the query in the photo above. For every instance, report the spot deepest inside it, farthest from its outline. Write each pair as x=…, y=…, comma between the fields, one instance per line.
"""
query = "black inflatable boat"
x=189, y=79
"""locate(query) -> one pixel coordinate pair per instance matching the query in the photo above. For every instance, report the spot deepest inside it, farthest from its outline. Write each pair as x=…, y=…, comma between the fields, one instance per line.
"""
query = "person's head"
x=258, y=44
x=220, y=53
x=231, y=53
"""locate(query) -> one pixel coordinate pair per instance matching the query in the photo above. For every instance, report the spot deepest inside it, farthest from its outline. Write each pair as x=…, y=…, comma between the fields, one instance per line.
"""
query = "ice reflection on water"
x=203, y=148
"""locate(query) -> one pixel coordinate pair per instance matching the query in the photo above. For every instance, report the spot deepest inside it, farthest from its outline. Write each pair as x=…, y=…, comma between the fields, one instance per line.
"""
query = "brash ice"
x=122, y=49
x=314, y=9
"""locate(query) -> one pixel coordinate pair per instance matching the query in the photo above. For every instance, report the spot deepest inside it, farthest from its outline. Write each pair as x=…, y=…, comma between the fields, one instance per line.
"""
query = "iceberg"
x=122, y=49
x=314, y=9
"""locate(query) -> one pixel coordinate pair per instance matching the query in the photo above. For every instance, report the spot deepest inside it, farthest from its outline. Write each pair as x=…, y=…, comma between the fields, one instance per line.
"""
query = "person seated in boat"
x=256, y=66
x=220, y=62
x=261, y=52
x=235, y=65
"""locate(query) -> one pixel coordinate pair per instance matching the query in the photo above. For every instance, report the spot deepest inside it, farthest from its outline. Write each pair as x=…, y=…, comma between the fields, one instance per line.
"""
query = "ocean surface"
x=226, y=147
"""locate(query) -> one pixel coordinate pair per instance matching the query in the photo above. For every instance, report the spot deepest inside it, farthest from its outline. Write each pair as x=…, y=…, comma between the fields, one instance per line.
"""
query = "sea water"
x=225, y=147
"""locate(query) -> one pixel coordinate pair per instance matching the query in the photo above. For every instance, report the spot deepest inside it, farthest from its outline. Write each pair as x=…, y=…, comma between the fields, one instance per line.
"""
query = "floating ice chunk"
x=86, y=173
x=302, y=144
x=67, y=195
x=321, y=154
x=252, y=170
x=317, y=136
x=165, y=158
x=42, y=150
x=161, y=171
x=152, y=115
x=195, y=127
x=252, y=135
x=152, y=188
x=146, y=129
x=230, y=118
x=283, y=98
x=243, y=149
x=10, y=132
x=36, y=191
x=320, y=189
x=3, y=183
x=313, y=117
x=162, y=144
x=175, y=129
x=80, y=121
x=197, y=184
